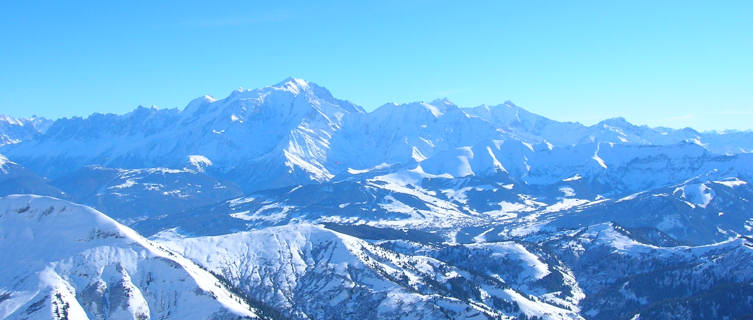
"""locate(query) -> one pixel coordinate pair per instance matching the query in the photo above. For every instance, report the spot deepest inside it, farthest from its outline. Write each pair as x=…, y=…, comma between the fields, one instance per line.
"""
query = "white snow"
x=630, y=197
x=3, y=163
x=564, y=204
x=357, y=171
x=361, y=171
x=599, y=160
x=731, y=183
x=698, y=194
x=417, y=155
x=481, y=237
x=68, y=247
x=567, y=191
x=240, y=201
x=199, y=162
x=393, y=205
x=126, y=184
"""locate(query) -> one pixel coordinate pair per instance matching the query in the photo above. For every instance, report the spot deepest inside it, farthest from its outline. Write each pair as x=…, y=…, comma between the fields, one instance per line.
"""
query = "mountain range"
x=286, y=202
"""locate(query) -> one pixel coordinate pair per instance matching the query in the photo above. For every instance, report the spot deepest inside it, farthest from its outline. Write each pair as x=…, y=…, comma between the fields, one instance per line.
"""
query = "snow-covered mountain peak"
x=286, y=93
x=288, y=103
x=616, y=122
x=293, y=84
x=290, y=85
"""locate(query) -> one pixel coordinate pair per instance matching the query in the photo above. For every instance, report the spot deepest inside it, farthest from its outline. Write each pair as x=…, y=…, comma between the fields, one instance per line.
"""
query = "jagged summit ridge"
x=297, y=132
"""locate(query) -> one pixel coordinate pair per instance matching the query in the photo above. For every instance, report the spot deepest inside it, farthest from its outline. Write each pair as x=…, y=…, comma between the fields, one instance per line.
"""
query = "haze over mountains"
x=302, y=205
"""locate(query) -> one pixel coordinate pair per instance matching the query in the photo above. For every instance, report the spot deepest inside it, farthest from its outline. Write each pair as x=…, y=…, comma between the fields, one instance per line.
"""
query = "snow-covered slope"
x=622, y=278
x=312, y=272
x=695, y=212
x=66, y=261
x=274, y=136
x=407, y=133
x=598, y=272
x=383, y=199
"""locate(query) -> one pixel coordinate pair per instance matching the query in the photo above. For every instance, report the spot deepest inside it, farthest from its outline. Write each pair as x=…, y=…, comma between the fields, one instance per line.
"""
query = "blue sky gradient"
x=668, y=63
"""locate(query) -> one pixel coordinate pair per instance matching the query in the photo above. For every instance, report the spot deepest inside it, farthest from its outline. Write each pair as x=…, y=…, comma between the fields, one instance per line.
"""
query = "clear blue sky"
x=671, y=63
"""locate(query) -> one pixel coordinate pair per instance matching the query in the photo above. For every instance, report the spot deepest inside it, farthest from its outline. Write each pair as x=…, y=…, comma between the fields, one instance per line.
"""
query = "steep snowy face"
x=408, y=133
x=293, y=117
x=14, y=130
x=270, y=136
x=283, y=133
x=77, y=263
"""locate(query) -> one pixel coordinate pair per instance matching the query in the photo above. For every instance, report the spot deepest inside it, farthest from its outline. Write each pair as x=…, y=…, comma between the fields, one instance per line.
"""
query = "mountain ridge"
x=296, y=132
x=98, y=261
